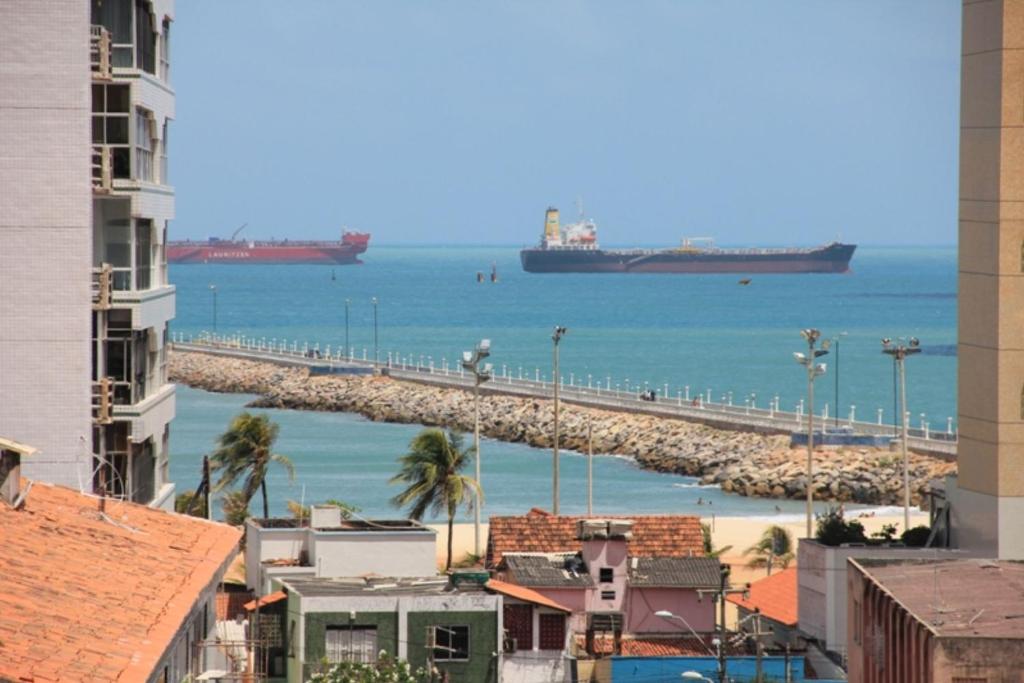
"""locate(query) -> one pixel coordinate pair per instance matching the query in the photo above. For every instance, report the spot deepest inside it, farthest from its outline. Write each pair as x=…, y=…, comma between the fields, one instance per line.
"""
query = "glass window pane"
x=97, y=98
x=117, y=98
x=117, y=130
x=97, y=130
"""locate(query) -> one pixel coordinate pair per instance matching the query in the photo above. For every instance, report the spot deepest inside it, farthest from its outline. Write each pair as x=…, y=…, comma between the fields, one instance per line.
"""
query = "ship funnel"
x=552, y=231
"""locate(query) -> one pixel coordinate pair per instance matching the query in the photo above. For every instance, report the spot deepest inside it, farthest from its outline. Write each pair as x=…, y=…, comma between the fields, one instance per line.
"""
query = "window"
x=145, y=37
x=552, y=631
x=144, y=133
x=350, y=644
x=165, y=52
x=110, y=123
x=607, y=574
x=607, y=595
x=518, y=621
x=451, y=643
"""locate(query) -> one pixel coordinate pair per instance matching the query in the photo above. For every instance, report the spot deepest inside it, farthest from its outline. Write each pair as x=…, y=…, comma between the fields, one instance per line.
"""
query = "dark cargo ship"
x=575, y=250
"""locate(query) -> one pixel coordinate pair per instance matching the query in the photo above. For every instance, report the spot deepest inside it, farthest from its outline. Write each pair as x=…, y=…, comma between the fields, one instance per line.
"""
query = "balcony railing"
x=102, y=168
x=102, y=286
x=99, y=52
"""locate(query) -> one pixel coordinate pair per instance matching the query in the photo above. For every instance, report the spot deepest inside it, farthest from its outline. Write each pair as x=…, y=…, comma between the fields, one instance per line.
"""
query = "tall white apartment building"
x=85, y=199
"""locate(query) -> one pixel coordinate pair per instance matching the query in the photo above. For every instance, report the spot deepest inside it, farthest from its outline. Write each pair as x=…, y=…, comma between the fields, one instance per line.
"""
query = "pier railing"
x=700, y=405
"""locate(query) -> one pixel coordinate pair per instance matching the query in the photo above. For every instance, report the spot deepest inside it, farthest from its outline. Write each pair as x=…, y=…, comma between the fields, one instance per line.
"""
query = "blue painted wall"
x=738, y=669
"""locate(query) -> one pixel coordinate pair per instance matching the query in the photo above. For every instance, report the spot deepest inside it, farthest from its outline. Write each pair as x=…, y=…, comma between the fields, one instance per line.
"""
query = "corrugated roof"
x=98, y=593
x=774, y=595
x=541, y=532
x=525, y=594
x=675, y=572
x=657, y=646
x=546, y=570
x=934, y=592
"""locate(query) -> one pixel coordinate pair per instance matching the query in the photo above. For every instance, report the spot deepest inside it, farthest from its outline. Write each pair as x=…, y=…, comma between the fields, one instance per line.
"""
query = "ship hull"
x=329, y=253
x=833, y=258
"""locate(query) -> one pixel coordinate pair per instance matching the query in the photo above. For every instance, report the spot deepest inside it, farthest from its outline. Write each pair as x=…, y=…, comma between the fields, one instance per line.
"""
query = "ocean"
x=701, y=331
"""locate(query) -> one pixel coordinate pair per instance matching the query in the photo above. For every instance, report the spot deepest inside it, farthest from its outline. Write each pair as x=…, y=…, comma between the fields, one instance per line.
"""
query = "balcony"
x=102, y=169
x=100, y=52
x=102, y=286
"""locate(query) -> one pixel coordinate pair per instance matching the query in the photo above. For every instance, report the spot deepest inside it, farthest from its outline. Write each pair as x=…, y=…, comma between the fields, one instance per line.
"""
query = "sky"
x=761, y=123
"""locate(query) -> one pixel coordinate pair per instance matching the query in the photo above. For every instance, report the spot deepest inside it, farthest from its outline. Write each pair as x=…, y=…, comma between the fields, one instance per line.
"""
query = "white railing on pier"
x=688, y=402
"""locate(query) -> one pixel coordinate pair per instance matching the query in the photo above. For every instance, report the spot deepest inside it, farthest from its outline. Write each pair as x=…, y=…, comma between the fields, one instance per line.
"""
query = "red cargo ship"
x=343, y=252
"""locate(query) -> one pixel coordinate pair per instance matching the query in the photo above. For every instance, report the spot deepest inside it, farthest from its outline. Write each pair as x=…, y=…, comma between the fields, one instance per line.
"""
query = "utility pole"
x=590, y=465
x=348, y=302
x=719, y=594
x=375, y=347
x=213, y=291
x=814, y=370
x=471, y=362
x=899, y=353
x=556, y=337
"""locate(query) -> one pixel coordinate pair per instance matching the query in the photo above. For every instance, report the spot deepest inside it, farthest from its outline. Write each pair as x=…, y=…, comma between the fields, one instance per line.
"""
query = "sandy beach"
x=738, y=532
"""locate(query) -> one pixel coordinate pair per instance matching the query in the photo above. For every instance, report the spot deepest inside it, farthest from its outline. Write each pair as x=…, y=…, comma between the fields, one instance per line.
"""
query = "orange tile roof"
x=91, y=595
x=525, y=594
x=541, y=532
x=268, y=599
x=656, y=646
x=774, y=595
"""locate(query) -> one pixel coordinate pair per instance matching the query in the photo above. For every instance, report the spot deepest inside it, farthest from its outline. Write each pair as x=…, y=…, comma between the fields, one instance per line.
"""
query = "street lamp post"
x=814, y=370
x=471, y=362
x=835, y=342
x=375, y=345
x=348, y=354
x=556, y=337
x=899, y=353
x=213, y=291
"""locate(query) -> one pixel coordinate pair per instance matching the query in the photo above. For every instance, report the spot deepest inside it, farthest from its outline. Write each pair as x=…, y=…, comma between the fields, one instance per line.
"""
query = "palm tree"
x=775, y=547
x=236, y=508
x=432, y=471
x=709, y=544
x=246, y=449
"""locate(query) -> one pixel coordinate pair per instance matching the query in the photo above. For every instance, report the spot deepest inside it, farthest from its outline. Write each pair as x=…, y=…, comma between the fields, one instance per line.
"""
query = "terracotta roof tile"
x=541, y=532
x=525, y=594
x=774, y=595
x=655, y=646
x=91, y=594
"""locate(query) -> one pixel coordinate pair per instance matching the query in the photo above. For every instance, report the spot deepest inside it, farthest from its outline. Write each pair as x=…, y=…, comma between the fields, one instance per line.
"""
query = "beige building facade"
x=85, y=108
x=988, y=501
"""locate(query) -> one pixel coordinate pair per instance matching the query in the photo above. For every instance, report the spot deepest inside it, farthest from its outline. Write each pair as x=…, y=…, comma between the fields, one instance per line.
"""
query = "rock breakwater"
x=744, y=463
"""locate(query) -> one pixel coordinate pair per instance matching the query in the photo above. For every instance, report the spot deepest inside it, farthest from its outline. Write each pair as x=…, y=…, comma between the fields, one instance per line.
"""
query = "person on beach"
x=700, y=501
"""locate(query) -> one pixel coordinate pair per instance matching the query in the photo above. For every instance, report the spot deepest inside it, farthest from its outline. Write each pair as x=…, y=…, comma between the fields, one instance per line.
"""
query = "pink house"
x=612, y=592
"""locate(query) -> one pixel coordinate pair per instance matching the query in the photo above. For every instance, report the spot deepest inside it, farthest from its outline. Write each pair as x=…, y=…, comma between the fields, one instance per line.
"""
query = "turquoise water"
x=347, y=457
x=703, y=331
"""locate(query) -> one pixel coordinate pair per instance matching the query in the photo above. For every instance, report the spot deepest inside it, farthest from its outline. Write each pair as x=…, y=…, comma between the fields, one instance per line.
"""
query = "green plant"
x=916, y=537
x=709, y=544
x=833, y=529
x=236, y=507
x=886, y=535
x=184, y=499
x=246, y=448
x=774, y=548
x=300, y=511
x=385, y=670
x=432, y=472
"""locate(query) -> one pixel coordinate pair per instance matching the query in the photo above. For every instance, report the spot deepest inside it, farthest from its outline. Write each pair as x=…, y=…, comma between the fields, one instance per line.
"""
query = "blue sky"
x=784, y=122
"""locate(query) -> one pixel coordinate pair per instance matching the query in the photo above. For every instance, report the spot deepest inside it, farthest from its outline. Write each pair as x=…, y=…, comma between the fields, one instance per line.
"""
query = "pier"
x=689, y=403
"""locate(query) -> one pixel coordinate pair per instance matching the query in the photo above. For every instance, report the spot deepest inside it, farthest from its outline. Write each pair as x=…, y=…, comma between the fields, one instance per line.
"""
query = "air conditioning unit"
x=511, y=645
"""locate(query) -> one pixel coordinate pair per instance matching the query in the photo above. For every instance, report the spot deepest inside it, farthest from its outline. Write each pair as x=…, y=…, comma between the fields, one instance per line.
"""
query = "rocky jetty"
x=744, y=463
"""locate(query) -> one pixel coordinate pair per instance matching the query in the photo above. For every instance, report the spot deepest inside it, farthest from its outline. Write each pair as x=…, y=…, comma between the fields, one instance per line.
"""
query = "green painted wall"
x=316, y=627
x=482, y=666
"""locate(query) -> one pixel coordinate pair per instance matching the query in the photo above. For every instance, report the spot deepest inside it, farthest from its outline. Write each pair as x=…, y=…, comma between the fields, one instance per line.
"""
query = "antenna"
x=579, y=207
x=240, y=229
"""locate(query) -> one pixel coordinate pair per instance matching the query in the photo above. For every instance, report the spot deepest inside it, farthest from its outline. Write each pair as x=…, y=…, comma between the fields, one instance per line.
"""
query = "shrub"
x=916, y=537
x=385, y=670
x=833, y=529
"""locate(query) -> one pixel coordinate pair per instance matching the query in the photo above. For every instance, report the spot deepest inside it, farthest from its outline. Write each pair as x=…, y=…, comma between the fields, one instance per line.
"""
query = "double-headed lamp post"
x=899, y=352
x=556, y=337
x=471, y=362
x=375, y=345
x=814, y=370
